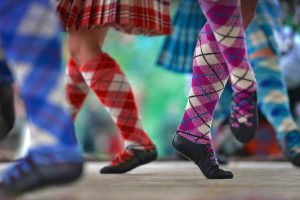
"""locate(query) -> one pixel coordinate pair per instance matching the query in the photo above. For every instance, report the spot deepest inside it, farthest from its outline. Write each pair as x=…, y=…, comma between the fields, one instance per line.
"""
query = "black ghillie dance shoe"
x=203, y=157
x=26, y=175
x=129, y=159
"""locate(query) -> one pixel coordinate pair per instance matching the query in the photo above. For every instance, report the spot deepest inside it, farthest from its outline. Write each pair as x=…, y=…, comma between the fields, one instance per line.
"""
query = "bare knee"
x=83, y=46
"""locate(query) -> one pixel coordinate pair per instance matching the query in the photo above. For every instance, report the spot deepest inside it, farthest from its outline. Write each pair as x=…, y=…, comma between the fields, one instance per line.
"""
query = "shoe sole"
x=187, y=157
x=45, y=177
x=140, y=163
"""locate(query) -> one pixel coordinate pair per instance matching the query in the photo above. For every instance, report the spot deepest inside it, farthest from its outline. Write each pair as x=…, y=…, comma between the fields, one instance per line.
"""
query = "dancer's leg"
x=30, y=35
x=104, y=76
x=76, y=88
x=210, y=75
x=274, y=103
x=225, y=19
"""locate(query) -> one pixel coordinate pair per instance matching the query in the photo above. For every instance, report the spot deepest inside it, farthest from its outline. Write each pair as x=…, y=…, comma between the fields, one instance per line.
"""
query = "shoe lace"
x=122, y=157
x=18, y=169
x=211, y=153
x=243, y=103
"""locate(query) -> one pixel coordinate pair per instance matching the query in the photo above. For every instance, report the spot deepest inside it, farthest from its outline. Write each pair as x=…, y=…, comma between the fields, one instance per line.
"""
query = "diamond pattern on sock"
x=112, y=87
x=209, y=78
x=224, y=18
x=76, y=88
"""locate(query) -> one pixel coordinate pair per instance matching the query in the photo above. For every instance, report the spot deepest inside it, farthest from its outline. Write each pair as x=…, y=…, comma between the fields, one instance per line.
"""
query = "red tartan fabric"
x=76, y=88
x=104, y=76
x=149, y=17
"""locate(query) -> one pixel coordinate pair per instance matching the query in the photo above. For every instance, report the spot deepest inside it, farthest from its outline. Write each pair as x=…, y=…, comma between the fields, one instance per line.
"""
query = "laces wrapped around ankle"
x=122, y=157
x=14, y=172
x=211, y=153
x=243, y=104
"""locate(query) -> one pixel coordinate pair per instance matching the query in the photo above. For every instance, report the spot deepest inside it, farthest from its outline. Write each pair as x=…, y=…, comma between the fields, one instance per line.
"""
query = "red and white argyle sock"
x=76, y=88
x=108, y=81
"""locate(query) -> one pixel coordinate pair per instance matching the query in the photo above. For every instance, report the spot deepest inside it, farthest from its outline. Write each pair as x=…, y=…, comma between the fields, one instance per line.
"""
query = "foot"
x=222, y=160
x=7, y=110
x=203, y=156
x=291, y=147
x=129, y=159
x=244, y=116
x=27, y=174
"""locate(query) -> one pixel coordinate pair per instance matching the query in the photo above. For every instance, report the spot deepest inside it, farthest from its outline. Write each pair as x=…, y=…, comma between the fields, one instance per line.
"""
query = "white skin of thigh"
x=84, y=45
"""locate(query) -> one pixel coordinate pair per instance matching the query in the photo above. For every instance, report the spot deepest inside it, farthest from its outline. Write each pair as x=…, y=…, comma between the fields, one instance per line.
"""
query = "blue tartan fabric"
x=178, y=49
x=30, y=35
x=265, y=27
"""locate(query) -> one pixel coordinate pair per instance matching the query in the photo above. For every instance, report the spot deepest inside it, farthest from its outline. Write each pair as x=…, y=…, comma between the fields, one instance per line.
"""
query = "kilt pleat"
x=149, y=17
x=177, y=50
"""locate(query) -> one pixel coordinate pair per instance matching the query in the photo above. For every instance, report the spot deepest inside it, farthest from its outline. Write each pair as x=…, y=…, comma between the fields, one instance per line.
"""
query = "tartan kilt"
x=178, y=49
x=148, y=17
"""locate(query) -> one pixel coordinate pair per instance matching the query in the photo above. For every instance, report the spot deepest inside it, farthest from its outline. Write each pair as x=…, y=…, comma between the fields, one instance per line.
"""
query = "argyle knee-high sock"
x=76, y=88
x=35, y=57
x=274, y=103
x=210, y=75
x=110, y=84
x=272, y=95
x=30, y=35
x=225, y=20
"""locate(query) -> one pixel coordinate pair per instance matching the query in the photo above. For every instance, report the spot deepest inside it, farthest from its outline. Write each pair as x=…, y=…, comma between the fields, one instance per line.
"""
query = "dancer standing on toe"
x=90, y=68
x=220, y=53
x=30, y=36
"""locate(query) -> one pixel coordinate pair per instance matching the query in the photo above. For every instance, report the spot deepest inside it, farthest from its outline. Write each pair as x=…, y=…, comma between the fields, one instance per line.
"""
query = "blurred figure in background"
x=29, y=32
x=87, y=23
x=290, y=46
x=291, y=13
